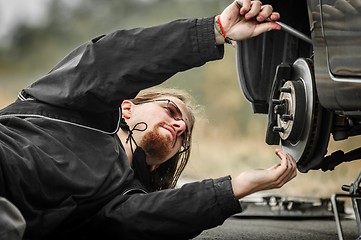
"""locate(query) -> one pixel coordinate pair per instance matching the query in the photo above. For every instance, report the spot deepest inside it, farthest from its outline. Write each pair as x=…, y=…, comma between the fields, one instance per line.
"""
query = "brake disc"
x=302, y=123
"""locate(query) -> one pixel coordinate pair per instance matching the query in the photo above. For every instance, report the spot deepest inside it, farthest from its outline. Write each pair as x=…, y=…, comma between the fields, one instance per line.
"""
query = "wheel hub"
x=290, y=109
x=300, y=121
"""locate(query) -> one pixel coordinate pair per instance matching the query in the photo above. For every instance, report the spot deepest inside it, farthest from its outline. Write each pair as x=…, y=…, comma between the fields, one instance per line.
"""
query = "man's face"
x=167, y=121
x=157, y=146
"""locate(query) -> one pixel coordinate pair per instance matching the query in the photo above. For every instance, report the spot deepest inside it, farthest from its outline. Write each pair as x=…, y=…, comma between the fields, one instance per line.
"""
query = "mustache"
x=166, y=125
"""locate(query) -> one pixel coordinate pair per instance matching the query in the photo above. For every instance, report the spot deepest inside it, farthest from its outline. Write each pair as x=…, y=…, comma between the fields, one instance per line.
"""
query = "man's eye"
x=168, y=110
x=171, y=112
x=174, y=112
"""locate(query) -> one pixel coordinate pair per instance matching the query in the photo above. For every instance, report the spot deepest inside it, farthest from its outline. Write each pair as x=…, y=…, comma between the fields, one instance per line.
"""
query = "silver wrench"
x=292, y=31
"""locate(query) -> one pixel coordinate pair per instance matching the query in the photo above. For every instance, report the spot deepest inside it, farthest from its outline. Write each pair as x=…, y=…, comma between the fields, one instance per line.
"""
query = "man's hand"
x=245, y=19
x=264, y=179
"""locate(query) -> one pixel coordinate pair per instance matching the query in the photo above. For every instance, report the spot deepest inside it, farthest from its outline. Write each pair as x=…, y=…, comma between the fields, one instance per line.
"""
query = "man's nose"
x=180, y=126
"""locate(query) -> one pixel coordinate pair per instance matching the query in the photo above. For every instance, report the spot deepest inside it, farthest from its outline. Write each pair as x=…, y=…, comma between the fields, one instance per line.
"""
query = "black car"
x=308, y=80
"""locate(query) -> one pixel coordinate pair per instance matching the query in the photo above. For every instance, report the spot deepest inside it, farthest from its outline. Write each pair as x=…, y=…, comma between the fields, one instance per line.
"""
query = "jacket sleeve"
x=168, y=214
x=98, y=75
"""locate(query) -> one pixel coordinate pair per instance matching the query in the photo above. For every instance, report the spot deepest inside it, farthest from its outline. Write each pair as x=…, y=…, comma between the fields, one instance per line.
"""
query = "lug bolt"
x=285, y=89
x=277, y=101
x=287, y=117
x=278, y=129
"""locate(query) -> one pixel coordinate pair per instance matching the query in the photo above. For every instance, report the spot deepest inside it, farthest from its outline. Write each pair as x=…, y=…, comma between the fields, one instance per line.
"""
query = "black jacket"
x=62, y=163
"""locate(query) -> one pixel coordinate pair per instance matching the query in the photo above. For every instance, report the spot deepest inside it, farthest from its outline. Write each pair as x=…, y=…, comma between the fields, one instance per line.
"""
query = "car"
x=307, y=79
x=310, y=88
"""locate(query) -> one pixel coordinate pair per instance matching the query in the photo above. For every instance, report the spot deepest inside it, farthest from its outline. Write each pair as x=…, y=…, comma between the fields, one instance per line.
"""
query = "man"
x=64, y=167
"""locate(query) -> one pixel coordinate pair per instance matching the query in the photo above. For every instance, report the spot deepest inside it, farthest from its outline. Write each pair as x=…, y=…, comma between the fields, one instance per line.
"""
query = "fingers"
x=286, y=159
x=265, y=12
x=287, y=169
x=261, y=13
x=275, y=16
x=291, y=168
x=255, y=9
x=244, y=6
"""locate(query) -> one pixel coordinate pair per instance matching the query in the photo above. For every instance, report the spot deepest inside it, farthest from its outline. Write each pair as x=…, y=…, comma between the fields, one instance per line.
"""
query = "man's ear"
x=127, y=107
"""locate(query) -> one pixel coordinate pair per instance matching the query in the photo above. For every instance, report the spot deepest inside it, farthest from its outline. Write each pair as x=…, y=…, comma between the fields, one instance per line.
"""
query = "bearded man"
x=64, y=167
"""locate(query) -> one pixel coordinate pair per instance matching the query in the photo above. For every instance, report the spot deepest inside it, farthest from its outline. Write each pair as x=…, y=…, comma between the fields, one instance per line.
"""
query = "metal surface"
x=336, y=35
x=294, y=32
x=336, y=198
x=303, y=125
x=354, y=190
x=297, y=147
x=275, y=206
x=292, y=118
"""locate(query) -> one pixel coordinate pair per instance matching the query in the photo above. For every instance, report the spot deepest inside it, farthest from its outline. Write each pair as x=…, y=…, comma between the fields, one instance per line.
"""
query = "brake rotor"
x=302, y=123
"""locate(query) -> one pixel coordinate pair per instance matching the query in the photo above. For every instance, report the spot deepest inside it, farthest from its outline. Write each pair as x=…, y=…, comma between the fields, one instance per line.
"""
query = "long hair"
x=168, y=173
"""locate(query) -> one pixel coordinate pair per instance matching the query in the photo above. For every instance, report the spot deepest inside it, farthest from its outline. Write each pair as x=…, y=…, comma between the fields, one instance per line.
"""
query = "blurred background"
x=229, y=138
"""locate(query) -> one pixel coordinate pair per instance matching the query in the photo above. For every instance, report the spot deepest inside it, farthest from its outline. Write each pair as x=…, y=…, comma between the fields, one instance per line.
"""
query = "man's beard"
x=155, y=145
